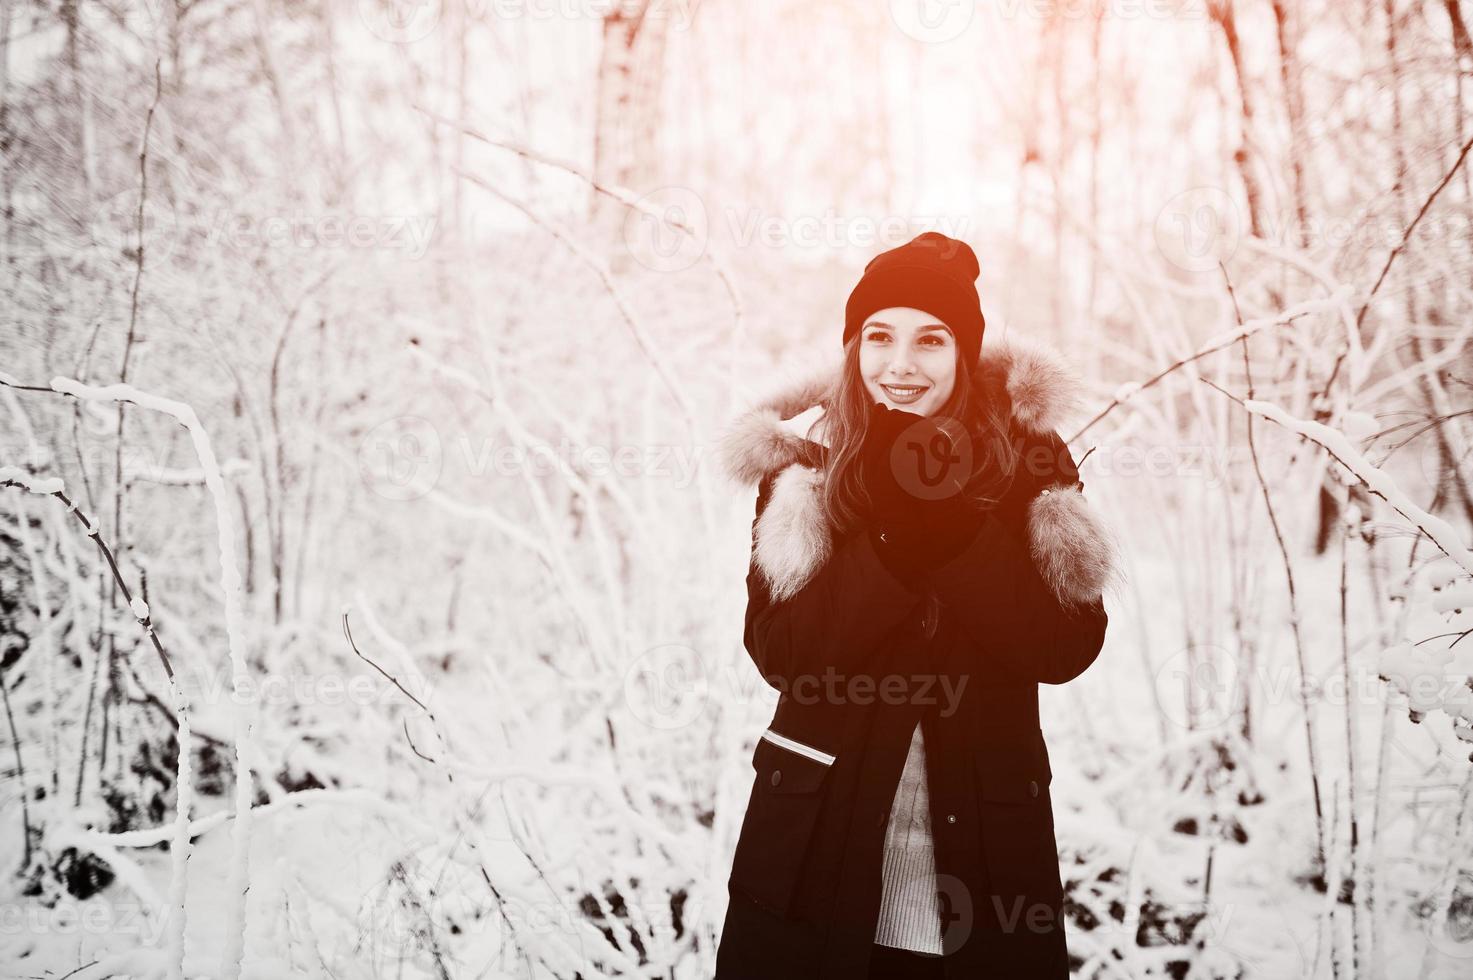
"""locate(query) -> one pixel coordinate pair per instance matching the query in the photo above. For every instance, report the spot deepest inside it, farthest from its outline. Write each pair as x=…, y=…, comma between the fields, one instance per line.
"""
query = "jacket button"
x=951, y=818
x=777, y=776
x=1032, y=787
x=883, y=538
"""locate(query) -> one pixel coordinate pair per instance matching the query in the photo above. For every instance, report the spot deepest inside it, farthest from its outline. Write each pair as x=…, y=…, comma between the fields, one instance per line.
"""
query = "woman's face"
x=907, y=359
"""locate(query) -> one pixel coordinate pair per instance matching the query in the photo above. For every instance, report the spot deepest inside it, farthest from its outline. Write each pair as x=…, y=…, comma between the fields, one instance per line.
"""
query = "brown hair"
x=984, y=410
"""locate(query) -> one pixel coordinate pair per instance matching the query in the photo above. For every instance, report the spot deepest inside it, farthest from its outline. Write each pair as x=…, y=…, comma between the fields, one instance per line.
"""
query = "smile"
x=905, y=393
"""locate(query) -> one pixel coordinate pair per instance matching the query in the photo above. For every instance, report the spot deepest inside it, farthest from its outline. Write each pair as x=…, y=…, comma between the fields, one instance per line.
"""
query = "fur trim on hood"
x=1071, y=547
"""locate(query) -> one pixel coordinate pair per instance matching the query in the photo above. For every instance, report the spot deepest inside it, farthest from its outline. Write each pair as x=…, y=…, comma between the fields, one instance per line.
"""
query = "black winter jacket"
x=860, y=658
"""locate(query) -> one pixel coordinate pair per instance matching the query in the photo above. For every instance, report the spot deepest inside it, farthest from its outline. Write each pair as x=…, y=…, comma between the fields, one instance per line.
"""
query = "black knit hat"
x=930, y=272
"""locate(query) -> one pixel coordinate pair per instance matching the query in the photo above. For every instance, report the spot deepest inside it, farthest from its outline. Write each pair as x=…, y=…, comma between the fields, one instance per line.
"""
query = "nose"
x=901, y=362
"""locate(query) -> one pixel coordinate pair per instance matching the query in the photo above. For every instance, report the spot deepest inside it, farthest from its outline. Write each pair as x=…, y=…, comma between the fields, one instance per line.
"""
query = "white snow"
x=232, y=949
x=35, y=484
x=1443, y=534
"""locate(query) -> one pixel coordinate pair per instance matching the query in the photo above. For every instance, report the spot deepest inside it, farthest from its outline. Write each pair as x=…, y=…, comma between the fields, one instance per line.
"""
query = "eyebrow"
x=931, y=327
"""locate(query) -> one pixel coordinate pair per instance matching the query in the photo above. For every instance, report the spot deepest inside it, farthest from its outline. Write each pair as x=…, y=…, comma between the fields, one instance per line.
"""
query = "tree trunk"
x=1294, y=109
x=1225, y=17
x=627, y=125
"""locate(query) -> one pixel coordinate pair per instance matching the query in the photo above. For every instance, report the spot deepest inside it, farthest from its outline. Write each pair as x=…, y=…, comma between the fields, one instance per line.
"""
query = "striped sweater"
x=910, y=911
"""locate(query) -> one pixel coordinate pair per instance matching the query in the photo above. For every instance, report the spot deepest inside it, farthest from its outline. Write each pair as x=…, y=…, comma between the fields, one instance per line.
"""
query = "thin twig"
x=145, y=622
x=1306, y=309
x=622, y=196
x=448, y=772
x=20, y=775
x=183, y=734
x=1407, y=235
x=348, y=632
x=621, y=303
x=112, y=694
x=1441, y=636
x=1350, y=741
x=1395, y=252
x=1444, y=537
x=1273, y=520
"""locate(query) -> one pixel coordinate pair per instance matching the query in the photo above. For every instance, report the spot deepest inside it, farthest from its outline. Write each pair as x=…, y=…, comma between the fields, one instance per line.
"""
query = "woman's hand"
x=915, y=469
x=889, y=501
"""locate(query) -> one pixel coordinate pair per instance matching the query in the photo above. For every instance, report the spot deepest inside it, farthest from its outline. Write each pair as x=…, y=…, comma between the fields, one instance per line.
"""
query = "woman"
x=922, y=559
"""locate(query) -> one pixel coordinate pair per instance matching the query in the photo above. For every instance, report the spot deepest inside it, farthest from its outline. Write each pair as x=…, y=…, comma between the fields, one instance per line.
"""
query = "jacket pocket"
x=1017, y=827
x=808, y=777
x=782, y=813
x=1017, y=772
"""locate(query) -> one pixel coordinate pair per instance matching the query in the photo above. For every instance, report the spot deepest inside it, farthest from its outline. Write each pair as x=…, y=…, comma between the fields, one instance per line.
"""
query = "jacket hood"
x=1073, y=550
x=1043, y=389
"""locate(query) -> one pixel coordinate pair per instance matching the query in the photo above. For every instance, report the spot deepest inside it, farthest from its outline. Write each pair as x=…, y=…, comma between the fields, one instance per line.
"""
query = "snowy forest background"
x=382, y=350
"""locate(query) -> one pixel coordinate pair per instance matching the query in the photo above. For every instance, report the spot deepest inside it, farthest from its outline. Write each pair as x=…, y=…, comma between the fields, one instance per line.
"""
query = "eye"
x=934, y=340
x=878, y=336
